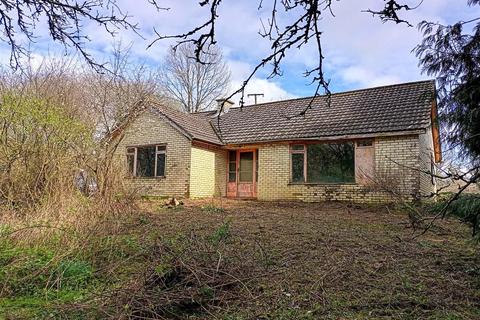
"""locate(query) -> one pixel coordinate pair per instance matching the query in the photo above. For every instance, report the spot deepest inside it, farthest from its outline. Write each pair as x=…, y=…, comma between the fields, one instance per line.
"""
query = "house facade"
x=363, y=146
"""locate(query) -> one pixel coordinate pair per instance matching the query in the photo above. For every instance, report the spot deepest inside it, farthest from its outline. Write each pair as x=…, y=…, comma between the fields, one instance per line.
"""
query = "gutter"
x=342, y=137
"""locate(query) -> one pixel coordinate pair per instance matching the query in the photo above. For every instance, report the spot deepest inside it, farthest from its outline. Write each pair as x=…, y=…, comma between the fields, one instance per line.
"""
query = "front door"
x=242, y=174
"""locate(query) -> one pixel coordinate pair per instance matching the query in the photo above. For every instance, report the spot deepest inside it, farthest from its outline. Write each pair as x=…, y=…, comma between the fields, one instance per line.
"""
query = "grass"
x=248, y=260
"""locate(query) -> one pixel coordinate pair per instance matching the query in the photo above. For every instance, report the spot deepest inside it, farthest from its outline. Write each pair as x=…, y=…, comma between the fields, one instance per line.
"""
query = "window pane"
x=330, y=162
x=161, y=148
x=365, y=143
x=256, y=165
x=145, y=161
x=297, y=167
x=130, y=162
x=232, y=166
x=246, y=167
x=131, y=150
x=160, y=164
x=297, y=146
x=232, y=155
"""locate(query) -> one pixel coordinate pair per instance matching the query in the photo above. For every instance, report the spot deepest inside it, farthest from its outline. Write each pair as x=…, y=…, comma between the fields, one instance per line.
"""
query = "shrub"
x=41, y=147
x=466, y=208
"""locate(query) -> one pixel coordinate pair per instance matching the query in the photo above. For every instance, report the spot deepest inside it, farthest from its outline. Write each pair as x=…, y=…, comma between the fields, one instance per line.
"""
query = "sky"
x=360, y=51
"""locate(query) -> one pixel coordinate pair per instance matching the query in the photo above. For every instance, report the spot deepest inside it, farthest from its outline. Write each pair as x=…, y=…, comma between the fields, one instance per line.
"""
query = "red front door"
x=242, y=168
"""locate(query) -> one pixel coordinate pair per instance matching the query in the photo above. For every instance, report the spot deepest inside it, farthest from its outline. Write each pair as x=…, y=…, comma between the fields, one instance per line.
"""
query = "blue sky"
x=360, y=50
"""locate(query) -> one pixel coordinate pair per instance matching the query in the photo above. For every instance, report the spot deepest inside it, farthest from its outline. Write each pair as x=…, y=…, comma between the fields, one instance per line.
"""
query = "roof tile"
x=400, y=107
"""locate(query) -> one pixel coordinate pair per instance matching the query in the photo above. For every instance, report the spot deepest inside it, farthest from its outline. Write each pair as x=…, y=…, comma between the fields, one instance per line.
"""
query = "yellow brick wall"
x=397, y=160
x=393, y=155
x=208, y=172
x=149, y=129
x=427, y=184
x=221, y=158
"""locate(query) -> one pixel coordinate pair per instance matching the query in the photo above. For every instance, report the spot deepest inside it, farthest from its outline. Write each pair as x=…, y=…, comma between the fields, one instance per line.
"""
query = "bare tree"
x=194, y=84
x=112, y=96
x=304, y=28
x=65, y=22
x=66, y=19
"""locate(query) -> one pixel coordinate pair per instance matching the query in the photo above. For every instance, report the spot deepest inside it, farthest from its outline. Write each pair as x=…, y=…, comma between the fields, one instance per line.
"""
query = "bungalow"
x=362, y=146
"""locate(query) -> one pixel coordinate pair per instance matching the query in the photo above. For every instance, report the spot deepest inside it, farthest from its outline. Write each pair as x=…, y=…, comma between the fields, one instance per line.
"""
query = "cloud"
x=367, y=77
x=359, y=49
x=272, y=91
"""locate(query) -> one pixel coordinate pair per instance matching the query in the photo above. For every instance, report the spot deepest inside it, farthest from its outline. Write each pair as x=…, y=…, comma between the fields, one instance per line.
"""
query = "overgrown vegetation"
x=252, y=260
x=62, y=201
x=466, y=208
x=41, y=148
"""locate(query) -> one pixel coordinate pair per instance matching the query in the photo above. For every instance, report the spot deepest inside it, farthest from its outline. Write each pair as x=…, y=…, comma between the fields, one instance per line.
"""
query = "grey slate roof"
x=394, y=108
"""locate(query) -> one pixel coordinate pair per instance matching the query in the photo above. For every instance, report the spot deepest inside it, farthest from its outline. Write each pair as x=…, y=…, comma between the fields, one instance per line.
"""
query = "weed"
x=74, y=273
x=207, y=292
x=221, y=233
x=212, y=208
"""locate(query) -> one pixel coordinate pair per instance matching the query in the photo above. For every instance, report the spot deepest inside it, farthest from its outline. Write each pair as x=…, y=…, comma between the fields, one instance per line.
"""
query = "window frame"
x=230, y=161
x=134, y=154
x=298, y=151
x=305, y=160
x=157, y=152
x=364, y=143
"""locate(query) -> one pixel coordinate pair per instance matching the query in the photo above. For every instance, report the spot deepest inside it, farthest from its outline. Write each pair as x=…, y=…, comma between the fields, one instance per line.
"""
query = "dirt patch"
x=329, y=260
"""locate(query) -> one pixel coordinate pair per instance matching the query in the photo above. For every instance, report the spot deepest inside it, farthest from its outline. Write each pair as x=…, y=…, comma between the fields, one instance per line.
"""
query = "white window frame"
x=157, y=152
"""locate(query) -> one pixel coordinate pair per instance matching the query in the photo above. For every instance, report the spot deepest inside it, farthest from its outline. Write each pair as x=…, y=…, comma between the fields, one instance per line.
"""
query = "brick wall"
x=397, y=164
x=208, y=172
x=202, y=172
x=148, y=129
x=394, y=156
x=221, y=158
x=427, y=182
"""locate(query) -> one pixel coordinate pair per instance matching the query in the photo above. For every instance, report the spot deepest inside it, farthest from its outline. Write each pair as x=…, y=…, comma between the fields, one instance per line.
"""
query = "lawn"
x=253, y=260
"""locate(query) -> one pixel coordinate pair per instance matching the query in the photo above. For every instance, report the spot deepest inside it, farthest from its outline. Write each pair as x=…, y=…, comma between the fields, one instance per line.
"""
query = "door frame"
x=237, y=173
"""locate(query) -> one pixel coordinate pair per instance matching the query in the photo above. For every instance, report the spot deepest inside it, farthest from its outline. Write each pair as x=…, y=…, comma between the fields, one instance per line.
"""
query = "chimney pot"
x=227, y=104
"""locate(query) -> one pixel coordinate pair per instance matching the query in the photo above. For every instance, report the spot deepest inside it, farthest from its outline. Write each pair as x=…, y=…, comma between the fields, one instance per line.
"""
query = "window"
x=245, y=171
x=256, y=165
x=232, y=166
x=365, y=143
x=131, y=161
x=323, y=163
x=146, y=161
x=298, y=163
x=160, y=154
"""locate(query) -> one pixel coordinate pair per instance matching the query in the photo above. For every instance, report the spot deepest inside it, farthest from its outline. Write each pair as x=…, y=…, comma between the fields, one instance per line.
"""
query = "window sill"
x=145, y=178
x=321, y=183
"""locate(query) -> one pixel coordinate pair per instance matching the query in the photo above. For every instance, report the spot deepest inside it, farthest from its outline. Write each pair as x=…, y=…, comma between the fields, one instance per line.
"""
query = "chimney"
x=227, y=104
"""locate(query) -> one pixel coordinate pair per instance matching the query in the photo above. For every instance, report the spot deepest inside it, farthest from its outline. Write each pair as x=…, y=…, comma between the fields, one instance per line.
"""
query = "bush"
x=41, y=148
x=466, y=208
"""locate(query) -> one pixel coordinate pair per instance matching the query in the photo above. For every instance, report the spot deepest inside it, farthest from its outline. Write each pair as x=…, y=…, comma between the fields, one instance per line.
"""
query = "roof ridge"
x=337, y=93
x=204, y=111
